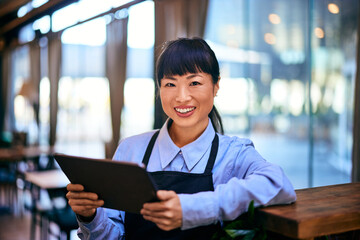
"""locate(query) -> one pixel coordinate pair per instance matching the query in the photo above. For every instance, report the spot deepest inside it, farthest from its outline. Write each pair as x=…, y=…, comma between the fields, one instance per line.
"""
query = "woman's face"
x=188, y=99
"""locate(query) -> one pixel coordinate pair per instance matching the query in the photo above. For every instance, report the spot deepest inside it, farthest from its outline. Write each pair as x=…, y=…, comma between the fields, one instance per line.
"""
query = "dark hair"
x=184, y=55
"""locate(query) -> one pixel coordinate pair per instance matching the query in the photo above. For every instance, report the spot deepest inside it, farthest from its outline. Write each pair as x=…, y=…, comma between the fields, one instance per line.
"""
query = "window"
x=287, y=84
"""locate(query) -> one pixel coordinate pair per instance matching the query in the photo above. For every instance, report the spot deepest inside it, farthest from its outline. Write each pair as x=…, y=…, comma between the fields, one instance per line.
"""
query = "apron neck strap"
x=213, y=153
x=149, y=148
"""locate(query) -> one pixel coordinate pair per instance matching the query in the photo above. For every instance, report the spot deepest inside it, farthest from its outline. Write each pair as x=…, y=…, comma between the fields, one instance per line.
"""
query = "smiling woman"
x=202, y=176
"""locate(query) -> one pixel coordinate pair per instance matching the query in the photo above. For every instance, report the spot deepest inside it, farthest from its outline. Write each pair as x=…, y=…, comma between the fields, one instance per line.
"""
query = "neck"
x=183, y=136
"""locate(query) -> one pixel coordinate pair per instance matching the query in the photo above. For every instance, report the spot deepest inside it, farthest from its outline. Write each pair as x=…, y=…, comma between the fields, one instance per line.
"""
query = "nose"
x=183, y=94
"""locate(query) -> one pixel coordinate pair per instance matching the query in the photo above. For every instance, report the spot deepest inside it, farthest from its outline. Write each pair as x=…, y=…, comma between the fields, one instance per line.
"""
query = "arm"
x=238, y=181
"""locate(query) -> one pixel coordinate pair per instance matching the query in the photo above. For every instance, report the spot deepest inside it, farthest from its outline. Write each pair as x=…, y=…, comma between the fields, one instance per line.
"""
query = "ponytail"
x=216, y=120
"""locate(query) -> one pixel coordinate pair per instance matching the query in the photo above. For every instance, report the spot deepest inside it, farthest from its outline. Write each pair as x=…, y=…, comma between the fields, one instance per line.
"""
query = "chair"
x=37, y=200
x=8, y=171
x=8, y=191
x=61, y=213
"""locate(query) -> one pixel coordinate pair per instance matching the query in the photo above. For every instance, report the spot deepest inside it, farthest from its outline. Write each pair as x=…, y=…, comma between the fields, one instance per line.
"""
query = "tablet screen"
x=122, y=185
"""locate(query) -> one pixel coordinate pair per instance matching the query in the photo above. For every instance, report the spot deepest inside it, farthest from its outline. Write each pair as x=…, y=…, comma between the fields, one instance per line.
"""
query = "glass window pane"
x=333, y=44
x=292, y=97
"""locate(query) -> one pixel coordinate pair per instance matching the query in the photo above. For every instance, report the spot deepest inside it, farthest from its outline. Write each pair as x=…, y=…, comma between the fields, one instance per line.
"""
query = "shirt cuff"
x=198, y=209
x=98, y=219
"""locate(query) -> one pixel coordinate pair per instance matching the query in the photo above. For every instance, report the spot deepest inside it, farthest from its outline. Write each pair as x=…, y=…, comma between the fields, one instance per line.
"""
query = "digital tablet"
x=122, y=185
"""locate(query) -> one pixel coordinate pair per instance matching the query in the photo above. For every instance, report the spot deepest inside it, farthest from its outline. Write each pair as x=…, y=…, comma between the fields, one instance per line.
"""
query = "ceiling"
x=10, y=24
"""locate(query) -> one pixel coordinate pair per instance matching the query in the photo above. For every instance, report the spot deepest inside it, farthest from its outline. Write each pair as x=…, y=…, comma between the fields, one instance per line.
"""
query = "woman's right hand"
x=83, y=203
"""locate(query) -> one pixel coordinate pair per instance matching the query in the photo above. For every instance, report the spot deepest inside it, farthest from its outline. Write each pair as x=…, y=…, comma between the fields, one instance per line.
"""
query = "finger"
x=85, y=202
x=164, y=195
x=155, y=207
x=75, y=187
x=158, y=214
x=82, y=195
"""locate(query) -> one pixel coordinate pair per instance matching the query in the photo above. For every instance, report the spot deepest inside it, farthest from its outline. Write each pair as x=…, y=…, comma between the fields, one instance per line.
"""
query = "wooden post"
x=355, y=176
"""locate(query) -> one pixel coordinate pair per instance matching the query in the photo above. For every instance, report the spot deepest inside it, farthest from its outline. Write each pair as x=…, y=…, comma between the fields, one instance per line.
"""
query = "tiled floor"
x=14, y=227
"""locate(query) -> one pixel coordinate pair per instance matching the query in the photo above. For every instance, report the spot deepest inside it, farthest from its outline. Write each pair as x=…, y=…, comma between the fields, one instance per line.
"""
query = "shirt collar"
x=191, y=152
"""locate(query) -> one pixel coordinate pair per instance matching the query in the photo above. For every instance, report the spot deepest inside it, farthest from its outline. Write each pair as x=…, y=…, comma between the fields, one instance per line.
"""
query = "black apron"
x=136, y=227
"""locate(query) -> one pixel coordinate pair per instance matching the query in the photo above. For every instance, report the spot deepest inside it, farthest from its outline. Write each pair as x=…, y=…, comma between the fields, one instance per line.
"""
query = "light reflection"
x=274, y=18
x=233, y=90
x=338, y=104
x=270, y=38
x=42, y=24
x=135, y=110
x=333, y=8
x=279, y=93
x=141, y=25
x=266, y=104
x=315, y=95
x=38, y=3
x=231, y=30
x=24, y=10
x=328, y=97
x=296, y=97
x=319, y=32
x=44, y=98
x=282, y=123
x=78, y=104
x=92, y=33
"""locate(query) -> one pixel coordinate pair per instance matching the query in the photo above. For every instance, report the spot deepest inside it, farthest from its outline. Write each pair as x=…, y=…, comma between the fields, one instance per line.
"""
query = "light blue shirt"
x=240, y=175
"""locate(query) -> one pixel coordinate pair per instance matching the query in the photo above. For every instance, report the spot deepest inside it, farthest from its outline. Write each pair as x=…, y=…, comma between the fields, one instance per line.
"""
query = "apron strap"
x=149, y=148
x=213, y=153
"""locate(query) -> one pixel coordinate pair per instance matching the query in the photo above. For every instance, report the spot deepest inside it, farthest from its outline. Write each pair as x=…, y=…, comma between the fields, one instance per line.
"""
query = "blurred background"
x=78, y=75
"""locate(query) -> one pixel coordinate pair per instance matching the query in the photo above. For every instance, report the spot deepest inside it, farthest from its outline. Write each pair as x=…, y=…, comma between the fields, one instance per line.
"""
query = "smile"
x=184, y=110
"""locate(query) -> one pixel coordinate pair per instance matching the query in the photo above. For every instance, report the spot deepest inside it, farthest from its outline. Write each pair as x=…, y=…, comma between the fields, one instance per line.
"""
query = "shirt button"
x=180, y=152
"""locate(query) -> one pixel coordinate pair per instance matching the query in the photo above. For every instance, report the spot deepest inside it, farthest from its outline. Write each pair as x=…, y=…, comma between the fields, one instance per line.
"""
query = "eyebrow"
x=169, y=78
x=193, y=75
x=188, y=77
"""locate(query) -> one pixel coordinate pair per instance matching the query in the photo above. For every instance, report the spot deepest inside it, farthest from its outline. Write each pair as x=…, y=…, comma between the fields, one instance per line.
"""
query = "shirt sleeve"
x=250, y=178
x=107, y=224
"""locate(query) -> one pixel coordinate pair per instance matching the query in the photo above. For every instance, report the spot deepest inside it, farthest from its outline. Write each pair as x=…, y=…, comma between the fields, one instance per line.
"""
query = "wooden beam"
x=11, y=6
x=44, y=9
x=355, y=175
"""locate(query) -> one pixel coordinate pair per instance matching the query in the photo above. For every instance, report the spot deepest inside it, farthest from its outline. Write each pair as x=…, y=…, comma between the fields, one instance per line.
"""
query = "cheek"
x=165, y=99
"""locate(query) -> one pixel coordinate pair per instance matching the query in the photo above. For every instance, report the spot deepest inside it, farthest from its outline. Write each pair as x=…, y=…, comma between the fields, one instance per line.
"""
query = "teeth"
x=184, y=110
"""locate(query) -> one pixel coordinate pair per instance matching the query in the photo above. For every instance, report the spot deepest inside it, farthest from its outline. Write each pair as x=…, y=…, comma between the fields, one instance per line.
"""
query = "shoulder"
x=143, y=137
x=237, y=148
x=234, y=142
x=133, y=144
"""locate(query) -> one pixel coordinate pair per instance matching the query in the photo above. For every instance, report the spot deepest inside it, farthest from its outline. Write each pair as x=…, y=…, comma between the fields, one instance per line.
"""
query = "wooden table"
x=47, y=179
x=317, y=212
x=10, y=161
x=18, y=153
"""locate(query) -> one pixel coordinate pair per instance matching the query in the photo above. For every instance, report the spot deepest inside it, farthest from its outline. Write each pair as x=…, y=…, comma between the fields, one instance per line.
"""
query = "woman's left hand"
x=167, y=213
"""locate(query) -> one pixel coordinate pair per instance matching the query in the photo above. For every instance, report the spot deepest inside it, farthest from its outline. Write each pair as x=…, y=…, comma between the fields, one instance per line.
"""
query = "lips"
x=184, y=110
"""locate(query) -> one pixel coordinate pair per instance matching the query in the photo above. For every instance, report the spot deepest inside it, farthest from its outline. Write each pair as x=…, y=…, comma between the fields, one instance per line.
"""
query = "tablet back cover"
x=122, y=185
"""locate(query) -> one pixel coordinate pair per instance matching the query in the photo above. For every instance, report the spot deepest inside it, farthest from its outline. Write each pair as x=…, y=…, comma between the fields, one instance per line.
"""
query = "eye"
x=195, y=83
x=169, y=85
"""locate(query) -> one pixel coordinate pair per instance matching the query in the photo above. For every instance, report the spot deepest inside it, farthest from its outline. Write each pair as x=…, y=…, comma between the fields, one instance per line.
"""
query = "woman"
x=205, y=177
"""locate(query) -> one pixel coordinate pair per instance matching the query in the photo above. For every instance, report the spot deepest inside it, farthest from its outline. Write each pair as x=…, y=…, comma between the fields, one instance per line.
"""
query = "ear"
x=216, y=86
